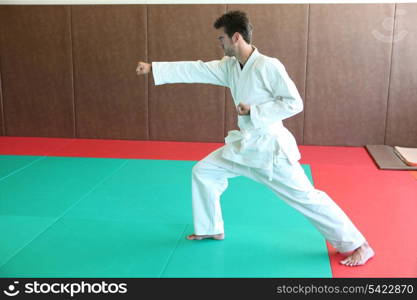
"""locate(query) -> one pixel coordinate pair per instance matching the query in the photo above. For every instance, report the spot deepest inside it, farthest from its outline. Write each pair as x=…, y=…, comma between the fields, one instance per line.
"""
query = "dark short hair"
x=235, y=21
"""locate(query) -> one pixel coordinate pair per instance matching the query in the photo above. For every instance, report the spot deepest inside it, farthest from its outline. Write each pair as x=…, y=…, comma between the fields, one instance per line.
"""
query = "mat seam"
x=62, y=215
x=172, y=252
x=24, y=167
x=41, y=157
x=325, y=241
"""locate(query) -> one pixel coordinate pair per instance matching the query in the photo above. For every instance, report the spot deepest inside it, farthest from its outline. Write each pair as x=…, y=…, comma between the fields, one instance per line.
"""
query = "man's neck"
x=244, y=54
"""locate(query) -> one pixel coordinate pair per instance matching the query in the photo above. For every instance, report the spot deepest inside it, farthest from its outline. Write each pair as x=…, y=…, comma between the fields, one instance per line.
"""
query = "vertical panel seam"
x=389, y=76
x=72, y=77
x=225, y=101
x=3, y=128
x=306, y=77
x=4, y=131
x=148, y=114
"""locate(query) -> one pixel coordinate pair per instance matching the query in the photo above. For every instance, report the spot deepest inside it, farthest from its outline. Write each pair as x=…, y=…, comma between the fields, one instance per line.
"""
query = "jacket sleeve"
x=285, y=100
x=212, y=72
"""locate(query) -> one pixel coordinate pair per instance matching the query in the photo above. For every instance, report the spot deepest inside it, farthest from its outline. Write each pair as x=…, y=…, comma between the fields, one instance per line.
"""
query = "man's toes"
x=202, y=237
x=349, y=264
x=349, y=261
x=218, y=237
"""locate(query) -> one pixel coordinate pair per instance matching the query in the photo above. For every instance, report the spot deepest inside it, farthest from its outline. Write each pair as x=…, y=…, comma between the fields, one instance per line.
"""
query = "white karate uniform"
x=263, y=149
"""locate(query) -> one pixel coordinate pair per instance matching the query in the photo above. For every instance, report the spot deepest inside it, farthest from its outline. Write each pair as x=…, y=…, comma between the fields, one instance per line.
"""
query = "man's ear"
x=235, y=37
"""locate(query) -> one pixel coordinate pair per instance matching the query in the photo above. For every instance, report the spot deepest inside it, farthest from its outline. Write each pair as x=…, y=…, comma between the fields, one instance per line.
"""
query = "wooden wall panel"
x=69, y=71
x=347, y=75
x=1, y=102
x=1, y=93
x=36, y=70
x=110, y=99
x=185, y=112
x=402, y=104
x=279, y=31
x=231, y=113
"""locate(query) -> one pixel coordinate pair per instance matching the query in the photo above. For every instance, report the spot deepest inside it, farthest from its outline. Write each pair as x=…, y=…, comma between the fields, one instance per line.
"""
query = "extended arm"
x=212, y=72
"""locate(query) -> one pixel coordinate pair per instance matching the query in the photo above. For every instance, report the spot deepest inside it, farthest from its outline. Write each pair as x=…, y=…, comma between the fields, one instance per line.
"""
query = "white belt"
x=257, y=147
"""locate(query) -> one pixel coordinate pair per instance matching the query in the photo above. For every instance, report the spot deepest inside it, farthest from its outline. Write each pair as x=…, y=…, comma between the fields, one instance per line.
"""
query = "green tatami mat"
x=249, y=251
x=129, y=218
x=160, y=191
x=17, y=232
x=12, y=163
x=50, y=186
x=142, y=191
x=94, y=248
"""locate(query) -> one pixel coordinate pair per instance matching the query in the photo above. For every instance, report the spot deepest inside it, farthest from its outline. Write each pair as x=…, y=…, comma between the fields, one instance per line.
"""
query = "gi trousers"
x=289, y=182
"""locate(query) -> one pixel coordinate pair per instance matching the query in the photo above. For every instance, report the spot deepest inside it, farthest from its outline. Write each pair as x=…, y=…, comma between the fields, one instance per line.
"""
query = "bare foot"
x=219, y=236
x=359, y=257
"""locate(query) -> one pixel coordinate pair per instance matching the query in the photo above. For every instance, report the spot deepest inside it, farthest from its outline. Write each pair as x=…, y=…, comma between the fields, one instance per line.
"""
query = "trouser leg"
x=292, y=185
x=209, y=181
x=289, y=182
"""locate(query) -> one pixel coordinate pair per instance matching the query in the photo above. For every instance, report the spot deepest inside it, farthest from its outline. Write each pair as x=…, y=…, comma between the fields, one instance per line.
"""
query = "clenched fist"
x=243, y=109
x=143, y=68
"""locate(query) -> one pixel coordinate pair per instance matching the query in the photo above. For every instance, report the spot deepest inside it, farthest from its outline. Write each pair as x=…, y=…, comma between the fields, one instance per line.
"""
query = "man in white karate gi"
x=263, y=149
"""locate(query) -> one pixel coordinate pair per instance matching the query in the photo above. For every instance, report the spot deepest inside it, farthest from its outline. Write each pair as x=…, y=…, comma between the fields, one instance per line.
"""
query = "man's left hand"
x=243, y=109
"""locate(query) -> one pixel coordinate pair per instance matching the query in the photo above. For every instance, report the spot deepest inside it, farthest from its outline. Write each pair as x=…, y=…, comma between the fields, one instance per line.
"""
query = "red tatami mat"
x=106, y=148
x=138, y=149
x=381, y=203
x=336, y=155
x=31, y=145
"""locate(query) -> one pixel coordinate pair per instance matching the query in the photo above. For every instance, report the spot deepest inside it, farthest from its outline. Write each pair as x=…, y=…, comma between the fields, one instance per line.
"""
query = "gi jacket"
x=264, y=84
